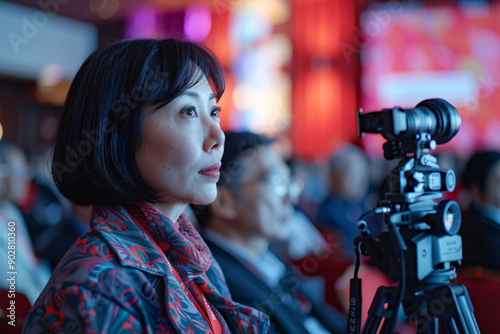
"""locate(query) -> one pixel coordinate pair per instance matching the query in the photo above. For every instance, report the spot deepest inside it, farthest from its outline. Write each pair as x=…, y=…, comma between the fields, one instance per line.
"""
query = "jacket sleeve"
x=79, y=310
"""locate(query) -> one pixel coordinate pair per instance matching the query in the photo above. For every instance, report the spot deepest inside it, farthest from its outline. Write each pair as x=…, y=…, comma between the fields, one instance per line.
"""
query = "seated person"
x=480, y=228
x=30, y=274
x=349, y=185
x=252, y=209
x=53, y=222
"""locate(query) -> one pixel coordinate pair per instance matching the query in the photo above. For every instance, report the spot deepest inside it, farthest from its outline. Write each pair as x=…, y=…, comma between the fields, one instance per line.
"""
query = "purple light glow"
x=197, y=23
x=144, y=22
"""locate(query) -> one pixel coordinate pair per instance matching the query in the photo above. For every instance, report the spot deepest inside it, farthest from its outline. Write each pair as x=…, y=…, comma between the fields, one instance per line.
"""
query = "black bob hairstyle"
x=102, y=119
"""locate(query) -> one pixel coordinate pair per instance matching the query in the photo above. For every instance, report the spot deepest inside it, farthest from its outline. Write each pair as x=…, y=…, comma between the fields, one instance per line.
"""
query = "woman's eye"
x=191, y=112
x=216, y=111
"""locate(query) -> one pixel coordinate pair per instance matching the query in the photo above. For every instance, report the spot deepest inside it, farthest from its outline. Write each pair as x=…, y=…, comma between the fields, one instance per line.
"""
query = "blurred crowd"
x=299, y=226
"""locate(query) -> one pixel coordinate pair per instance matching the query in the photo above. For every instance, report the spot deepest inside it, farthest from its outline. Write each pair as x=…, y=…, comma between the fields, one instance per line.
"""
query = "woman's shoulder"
x=100, y=260
x=90, y=262
x=88, y=308
x=91, y=277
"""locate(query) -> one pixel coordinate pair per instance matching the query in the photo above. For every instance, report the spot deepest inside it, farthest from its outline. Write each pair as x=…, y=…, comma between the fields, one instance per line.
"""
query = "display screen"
x=411, y=52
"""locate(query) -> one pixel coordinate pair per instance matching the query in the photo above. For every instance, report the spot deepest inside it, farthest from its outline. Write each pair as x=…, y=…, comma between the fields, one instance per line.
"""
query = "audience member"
x=253, y=208
x=43, y=206
x=54, y=241
x=349, y=184
x=31, y=274
x=53, y=222
x=304, y=239
x=480, y=228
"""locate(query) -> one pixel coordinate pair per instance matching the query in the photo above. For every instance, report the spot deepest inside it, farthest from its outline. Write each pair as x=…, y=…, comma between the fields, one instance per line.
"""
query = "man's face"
x=264, y=206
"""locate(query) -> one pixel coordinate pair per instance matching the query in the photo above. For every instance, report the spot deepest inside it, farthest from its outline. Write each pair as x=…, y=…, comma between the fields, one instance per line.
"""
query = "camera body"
x=416, y=225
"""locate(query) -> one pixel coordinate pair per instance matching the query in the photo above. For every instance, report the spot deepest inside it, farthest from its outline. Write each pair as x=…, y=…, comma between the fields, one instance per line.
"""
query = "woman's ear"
x=224, y=206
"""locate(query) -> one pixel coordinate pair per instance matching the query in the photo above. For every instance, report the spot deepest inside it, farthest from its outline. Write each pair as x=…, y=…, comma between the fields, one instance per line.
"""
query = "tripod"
x=433, y=302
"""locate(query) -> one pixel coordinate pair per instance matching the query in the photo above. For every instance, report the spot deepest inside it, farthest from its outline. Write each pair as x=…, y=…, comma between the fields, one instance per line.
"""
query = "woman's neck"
x=172, y=211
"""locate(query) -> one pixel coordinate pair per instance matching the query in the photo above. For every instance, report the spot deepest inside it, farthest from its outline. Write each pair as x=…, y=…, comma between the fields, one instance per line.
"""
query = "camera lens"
x=434, y=116
x=444, y=118
x=447, y=219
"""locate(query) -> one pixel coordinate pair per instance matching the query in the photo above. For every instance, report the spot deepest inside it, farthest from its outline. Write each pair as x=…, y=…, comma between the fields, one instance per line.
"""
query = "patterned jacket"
x=114, y=280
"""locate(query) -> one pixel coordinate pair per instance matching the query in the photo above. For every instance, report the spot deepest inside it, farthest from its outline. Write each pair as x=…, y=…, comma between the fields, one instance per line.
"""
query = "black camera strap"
x=354, y=316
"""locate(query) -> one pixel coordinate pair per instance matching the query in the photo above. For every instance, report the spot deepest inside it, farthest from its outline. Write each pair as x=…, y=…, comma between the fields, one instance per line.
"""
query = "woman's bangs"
x=211, y=70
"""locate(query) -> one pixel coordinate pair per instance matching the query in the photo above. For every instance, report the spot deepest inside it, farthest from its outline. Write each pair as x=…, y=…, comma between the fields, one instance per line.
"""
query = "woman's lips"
x=212, y=171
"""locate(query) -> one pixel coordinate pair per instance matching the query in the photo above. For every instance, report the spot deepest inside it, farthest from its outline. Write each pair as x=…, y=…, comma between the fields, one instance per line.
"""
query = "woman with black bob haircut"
x=140, y=139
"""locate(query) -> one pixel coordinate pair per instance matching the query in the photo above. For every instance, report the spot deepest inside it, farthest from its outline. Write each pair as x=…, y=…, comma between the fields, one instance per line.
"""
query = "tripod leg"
x=468, y=311
x=452, y=306
x=381, y=309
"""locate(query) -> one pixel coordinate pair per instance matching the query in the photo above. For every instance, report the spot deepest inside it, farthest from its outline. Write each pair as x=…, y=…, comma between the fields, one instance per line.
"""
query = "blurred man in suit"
x=480, y=228
x=252, y=209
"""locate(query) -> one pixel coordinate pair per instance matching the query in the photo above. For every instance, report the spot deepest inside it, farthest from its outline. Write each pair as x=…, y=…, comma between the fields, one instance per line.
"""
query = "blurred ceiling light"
x=105, y=9
x=197, y=22
x=275, y=11
x=50, y=76
x=248, y=27
x=273, y=116
x=244, y=97
x=1, y=131
x=278, y=50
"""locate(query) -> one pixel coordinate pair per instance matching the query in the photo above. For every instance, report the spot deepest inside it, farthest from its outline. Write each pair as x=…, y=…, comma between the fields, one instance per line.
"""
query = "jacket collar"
x=180, y=242
x=187, y=252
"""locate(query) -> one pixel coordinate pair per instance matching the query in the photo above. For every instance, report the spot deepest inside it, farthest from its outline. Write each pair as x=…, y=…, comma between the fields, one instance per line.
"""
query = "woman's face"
x=182, y=147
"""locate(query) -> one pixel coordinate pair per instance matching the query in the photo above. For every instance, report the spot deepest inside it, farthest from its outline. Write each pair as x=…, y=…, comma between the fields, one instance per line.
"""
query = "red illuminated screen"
x=412, y=53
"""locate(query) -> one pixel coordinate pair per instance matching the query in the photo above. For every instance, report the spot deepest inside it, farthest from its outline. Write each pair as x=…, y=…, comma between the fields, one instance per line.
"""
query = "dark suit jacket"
x=247, y=288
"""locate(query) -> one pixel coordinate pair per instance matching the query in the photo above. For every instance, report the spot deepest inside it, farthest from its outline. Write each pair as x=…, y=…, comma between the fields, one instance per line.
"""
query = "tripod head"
x=414, y=223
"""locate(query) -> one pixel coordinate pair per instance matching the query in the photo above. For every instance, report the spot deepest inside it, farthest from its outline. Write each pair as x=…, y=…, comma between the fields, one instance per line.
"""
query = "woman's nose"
x=215, y=138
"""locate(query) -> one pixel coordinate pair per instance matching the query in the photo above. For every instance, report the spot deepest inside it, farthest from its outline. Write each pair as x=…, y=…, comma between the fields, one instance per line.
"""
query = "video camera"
x=418, y=246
